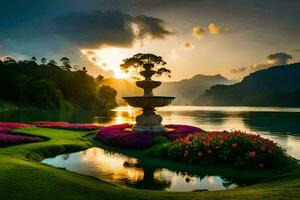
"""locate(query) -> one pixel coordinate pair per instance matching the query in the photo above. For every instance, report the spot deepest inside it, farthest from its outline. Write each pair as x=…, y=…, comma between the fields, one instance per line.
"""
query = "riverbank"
x=24, y=177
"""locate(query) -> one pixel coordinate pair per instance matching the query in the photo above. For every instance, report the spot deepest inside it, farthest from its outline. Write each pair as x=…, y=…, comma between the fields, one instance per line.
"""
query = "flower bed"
x=240, y=149
x=122, y=136
x=175, y=131
x=66, y=125
x=7, y=139
x=12, y=125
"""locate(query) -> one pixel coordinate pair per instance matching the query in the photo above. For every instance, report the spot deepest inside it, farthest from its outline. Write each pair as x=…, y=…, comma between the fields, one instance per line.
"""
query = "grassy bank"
x=22, y=176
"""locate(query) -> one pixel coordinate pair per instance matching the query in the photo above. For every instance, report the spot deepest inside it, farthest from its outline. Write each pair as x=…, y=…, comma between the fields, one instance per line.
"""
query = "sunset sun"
x=109, y=58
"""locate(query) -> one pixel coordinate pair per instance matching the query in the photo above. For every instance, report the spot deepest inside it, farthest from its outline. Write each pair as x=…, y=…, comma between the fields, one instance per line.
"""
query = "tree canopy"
x=139, y=62
x=47, y=85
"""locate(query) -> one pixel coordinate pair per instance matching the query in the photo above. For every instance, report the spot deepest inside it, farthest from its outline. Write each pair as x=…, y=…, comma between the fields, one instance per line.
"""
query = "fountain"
x=148, y=121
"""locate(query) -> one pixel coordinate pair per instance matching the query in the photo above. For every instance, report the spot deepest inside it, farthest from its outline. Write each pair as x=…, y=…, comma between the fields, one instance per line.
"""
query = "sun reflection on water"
x=120, y=169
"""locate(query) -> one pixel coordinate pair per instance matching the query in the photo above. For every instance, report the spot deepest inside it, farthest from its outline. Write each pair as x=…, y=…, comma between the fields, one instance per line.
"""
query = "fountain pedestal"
x=148, y=121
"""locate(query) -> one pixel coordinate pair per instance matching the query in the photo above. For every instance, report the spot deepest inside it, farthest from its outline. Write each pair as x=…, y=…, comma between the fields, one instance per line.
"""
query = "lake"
x=279, y=124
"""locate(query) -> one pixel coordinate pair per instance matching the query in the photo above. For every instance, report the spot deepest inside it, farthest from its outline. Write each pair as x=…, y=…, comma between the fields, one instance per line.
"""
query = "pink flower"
x=252, y=154
x=234, y=145
x=261, y=165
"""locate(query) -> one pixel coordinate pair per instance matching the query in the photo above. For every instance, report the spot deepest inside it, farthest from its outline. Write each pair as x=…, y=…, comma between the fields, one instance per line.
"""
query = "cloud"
x=238, y=70
x=279, y=58
x=198, y=32
x=150, y=27
x=215, y=29
x=109, y=28
x=275, y=59
x=187, y=45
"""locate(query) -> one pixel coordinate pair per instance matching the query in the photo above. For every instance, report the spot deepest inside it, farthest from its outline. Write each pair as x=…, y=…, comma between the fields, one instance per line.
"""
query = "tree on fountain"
x=140, y=62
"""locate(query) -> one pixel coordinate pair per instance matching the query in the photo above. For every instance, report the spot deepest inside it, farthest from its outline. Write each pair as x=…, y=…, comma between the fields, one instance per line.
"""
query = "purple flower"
x=122, y=136
x=9, y=139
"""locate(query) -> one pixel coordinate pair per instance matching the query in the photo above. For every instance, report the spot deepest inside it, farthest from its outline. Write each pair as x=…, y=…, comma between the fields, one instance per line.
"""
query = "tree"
x=52, y=63
x=9, y=61
x=66, y=63
x=33, y=59
x=84, y=69
x=107, y=96
x=140, y=62
x=43, y=61
x=99, y=79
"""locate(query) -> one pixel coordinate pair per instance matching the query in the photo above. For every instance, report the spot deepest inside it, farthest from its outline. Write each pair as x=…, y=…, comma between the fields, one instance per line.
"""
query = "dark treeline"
x=275, y=86
x=46, y=84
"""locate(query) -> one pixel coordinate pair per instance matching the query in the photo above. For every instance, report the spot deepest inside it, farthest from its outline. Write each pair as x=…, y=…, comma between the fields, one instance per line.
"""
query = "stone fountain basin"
x=151, y=101
x=148, y=84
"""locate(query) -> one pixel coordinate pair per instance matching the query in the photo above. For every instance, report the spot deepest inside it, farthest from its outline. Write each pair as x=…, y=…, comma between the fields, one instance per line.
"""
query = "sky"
x=228, y=37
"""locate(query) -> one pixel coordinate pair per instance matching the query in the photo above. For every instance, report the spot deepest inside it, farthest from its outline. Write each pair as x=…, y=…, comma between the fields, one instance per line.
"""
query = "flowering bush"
x=12, y=125
x=118, y=136
x=7, y=139
x=122, y=136
x=175, y=131
x=240, y=149
x=66, y=125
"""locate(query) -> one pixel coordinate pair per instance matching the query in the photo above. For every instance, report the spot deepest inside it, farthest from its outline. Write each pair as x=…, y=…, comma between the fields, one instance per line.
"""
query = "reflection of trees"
x=66, y=156
x=76, y=116
x=277, y=122
x=211, y=117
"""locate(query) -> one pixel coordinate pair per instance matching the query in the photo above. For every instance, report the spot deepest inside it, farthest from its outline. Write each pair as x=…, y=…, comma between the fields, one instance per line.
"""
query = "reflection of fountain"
x=148, y=121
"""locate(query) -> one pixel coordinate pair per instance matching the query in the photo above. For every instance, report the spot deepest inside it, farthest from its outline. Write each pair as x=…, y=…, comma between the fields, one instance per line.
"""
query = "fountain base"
x=146, y=129
x=148, y=121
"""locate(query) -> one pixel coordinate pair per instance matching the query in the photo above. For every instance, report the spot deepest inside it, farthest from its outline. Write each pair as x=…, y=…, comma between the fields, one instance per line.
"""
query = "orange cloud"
x=215, y=29
x=198, y=32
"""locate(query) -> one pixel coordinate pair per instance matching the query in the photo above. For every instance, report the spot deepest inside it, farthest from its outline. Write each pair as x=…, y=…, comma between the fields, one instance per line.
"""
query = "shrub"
x=240, y=149
x=122, y=136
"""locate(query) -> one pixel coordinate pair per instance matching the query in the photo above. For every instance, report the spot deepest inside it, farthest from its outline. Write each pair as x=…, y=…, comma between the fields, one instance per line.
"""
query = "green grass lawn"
x=22, y=176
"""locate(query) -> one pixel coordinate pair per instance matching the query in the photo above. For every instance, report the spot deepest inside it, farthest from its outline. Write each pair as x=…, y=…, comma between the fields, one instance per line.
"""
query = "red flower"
x=234, y=145
x=252, y=154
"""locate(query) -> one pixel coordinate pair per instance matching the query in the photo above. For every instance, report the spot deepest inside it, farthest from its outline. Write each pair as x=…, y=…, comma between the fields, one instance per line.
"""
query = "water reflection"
x=129, y=171
x=279, y=124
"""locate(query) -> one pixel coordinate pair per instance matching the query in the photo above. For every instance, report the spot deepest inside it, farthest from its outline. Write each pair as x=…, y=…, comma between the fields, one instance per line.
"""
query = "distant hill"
x=186, y=91
x=124, y=88
x=275, y=86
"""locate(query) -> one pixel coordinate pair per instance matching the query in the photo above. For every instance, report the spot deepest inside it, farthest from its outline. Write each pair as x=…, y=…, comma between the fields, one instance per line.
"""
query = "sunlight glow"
x=109, y=58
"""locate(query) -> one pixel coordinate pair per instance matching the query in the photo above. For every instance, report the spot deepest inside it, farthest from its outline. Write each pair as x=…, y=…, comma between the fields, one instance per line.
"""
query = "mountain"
x=124, y=88
x=275, y=86
x=185, y=91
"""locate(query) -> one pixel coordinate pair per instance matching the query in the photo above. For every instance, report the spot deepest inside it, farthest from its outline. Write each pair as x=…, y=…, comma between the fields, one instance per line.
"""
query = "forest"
x=275, y=86
x=49, y=85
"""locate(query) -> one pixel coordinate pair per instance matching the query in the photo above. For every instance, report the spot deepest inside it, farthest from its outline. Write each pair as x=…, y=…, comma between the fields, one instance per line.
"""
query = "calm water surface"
x=279, y=124
x=124, y=170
